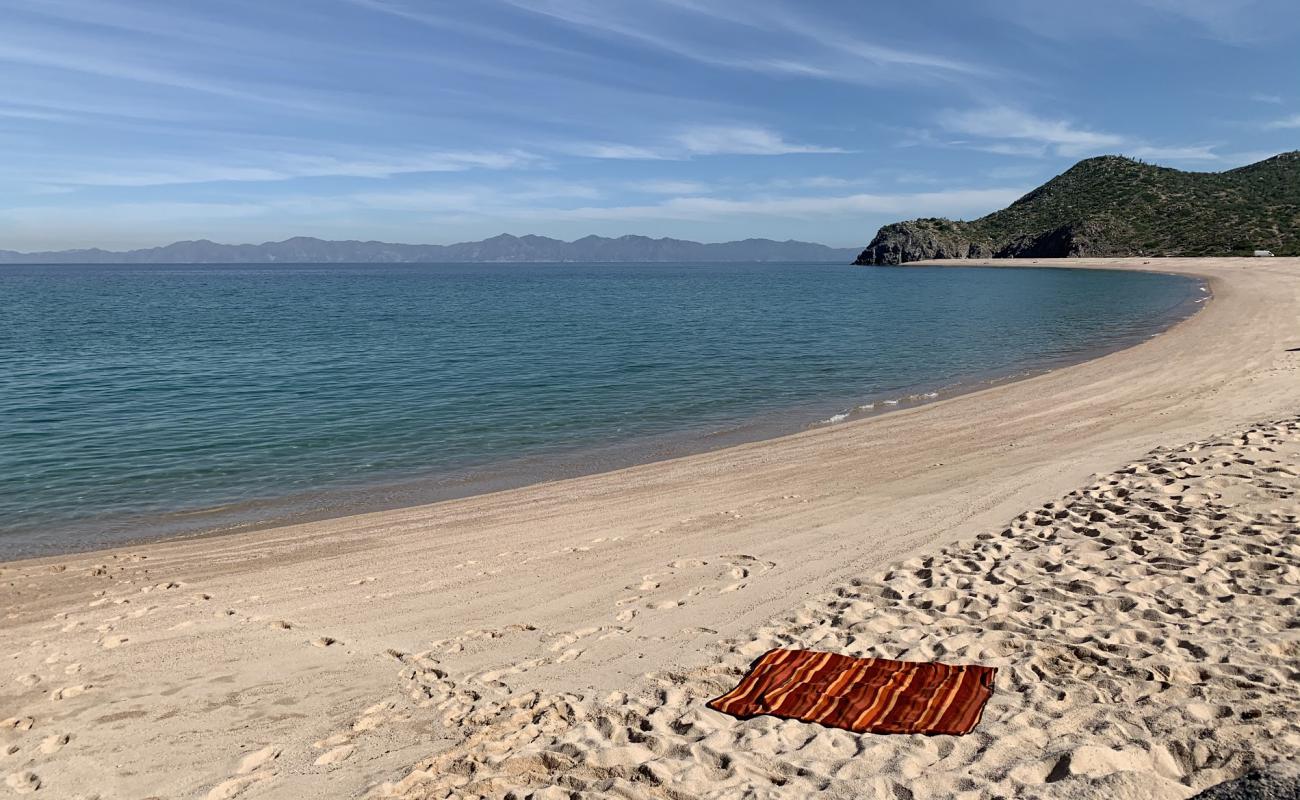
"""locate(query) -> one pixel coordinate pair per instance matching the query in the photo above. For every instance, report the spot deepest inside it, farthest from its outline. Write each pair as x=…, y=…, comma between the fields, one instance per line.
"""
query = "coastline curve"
x=710, y=545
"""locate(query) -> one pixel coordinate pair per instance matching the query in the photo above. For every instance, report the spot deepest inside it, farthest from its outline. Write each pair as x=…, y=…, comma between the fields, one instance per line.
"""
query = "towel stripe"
x=867, y=695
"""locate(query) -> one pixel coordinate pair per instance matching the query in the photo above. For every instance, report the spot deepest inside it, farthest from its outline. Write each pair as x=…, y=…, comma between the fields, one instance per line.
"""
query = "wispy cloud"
x=14, y=112
x=867, y=52
x=731, y=140
x=959, y=202
x=460, y=24
x=703, y=140
x=1292, y=121
x=281, y=166
x=1144, y=23
x=1015, y=132
x=1229, y=21
x=1192, y=153
x=35, y=97
x=85, y=57
x=177, y=24
x=1011, y=123
x=1272, y=99
x=617, y=152
x=1021, y=149
x=670, y=187
x=813, y=182
x=474, y=199
x=106, y=214
x=793, y=44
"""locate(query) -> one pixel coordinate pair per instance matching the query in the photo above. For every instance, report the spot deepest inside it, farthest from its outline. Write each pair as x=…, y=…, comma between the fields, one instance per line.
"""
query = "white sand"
x=300, y=662
x=1146, y=629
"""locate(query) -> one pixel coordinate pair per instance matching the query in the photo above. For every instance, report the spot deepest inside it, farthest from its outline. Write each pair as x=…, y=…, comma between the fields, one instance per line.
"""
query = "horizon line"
x=503, y=235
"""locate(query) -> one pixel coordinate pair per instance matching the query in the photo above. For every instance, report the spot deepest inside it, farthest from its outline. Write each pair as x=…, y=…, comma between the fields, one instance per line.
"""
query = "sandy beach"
x=1119, y=537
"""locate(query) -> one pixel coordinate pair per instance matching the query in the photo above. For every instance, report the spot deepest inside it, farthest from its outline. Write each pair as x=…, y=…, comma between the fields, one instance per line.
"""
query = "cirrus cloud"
x=702, y=140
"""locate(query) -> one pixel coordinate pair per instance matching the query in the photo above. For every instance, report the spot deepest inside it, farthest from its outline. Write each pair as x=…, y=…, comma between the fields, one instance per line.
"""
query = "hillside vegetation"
x=1116, y=206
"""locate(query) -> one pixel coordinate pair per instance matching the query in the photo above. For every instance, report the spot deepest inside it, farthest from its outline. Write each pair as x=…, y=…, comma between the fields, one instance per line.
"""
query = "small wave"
x=891, y=402
x=866, y=406
x=930, y=395
x=836, y=418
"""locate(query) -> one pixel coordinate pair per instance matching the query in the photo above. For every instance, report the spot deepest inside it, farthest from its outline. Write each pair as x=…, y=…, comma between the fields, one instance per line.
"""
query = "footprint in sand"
x=688, y=563
x=23, y=782
x=332, y=741
x=258, y=759
x=232, y=787
x=572, y=654
x=111, y=642
x=336, y=755
x=564, y=640
x=744, y=566
x=375, y=717
x=53, y=744
x=161, y=587
x=69, y=692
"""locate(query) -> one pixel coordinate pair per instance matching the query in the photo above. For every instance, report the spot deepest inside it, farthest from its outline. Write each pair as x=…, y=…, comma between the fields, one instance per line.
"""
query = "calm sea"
x=140, y=401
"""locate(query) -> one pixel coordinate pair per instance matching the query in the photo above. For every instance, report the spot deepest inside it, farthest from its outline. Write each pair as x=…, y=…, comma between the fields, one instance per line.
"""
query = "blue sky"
x=127, y=123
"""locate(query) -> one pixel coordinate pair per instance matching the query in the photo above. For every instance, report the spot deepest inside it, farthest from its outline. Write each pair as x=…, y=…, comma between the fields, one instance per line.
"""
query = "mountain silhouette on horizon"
x=498, y=249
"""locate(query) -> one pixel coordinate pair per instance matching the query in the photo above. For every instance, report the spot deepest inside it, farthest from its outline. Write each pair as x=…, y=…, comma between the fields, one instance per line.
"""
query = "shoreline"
x=396, y=493
x=274, y=659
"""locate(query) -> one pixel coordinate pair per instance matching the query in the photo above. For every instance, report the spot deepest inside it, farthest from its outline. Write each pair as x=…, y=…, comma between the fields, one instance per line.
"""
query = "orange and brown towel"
x=865, y=695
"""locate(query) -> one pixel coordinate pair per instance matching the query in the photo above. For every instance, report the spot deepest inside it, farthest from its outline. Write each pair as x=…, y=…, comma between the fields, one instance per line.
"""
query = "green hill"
x=1115, y=206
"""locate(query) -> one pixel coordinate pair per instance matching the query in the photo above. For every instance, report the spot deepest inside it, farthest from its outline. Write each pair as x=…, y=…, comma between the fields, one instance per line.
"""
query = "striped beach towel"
x=865, y=695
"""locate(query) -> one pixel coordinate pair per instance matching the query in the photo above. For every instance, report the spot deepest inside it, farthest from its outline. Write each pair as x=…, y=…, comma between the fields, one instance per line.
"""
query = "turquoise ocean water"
x=140, y=401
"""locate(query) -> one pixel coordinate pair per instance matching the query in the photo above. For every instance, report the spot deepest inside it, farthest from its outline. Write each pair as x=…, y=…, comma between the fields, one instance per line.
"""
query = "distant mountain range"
x=1115, y=206
x=503, y=248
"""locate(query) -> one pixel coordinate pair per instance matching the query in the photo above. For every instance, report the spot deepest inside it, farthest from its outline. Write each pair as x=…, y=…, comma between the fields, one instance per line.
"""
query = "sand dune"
x=325, y=659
